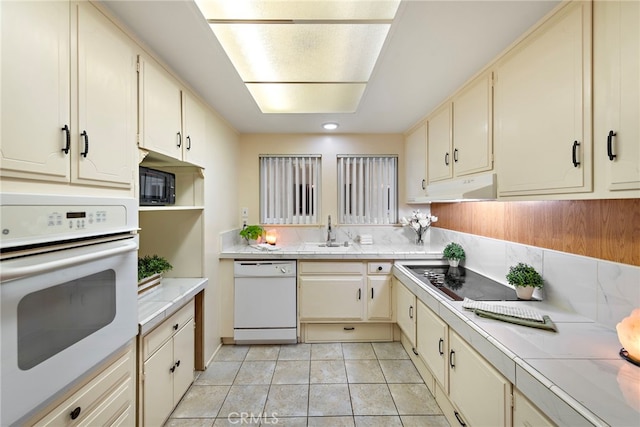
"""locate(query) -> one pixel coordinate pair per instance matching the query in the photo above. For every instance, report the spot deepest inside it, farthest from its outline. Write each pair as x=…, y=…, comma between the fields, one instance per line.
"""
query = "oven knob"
x=284, y=270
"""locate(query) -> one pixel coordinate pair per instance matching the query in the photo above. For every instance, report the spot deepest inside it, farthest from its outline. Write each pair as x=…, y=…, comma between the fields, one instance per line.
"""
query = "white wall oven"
x=68, y=293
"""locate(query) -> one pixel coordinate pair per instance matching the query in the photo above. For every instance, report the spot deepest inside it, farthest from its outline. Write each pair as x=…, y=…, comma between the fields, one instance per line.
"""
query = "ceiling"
x=432, y=48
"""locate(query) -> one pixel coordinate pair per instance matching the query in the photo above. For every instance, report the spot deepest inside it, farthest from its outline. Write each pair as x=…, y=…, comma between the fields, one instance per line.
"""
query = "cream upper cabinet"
x=433, y=343
x=481, y=393
x=172, y=121
x=160, y=110
x=439, y=143
x=542, y=108
x=616, y=74
x=194, y=119
x=472, y=127
x=44, y=81
x=415, y=153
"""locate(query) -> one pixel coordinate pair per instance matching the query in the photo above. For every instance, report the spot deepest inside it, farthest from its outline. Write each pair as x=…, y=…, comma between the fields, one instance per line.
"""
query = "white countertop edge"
x=161, y=302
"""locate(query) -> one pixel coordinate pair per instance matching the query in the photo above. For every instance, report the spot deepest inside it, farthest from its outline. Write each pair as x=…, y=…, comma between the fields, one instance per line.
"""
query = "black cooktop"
x=459, y=283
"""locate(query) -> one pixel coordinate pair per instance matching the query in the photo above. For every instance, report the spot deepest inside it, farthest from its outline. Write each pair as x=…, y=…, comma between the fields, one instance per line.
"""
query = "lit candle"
x=271, y=237
x=629, y=334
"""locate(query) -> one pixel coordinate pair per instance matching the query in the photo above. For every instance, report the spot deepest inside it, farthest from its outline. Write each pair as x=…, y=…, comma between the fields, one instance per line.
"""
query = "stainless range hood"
x=478, y=187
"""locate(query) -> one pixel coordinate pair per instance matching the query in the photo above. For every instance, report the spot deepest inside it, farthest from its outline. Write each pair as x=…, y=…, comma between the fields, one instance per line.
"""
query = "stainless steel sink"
x=323, y=246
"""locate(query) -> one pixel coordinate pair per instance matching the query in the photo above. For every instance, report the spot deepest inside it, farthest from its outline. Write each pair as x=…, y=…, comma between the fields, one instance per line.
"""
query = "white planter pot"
x=454, y=262
x=524, y=292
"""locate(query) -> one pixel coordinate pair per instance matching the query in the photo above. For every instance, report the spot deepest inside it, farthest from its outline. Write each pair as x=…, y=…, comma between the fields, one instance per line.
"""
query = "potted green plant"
x=525, y=279
x=454, y=253
x=150, y=269
x=251, y=232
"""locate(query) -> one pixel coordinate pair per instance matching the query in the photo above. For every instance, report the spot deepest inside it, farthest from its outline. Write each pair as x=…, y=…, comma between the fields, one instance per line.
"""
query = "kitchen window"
x=289, y=189
x=368, y=189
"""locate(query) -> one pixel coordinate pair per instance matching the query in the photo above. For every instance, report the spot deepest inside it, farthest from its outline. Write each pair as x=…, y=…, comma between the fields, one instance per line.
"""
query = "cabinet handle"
x=414, y=351
x=446, y=158
x=574, y=154
x=410, y=312
x=175, y=327
x=379, y=268
x=371, y=293
x=177, y=363
x=172, y=369
x=75, y=413
x=67, y=145
x=459, y=418
x=179, y=139
x=360, y=293
x=349, y=328
x=455, y=155
x=452, y=360
x=86, y=143
x=424, y=184
x=188, y=143
x=440, y=346
x=610, y=145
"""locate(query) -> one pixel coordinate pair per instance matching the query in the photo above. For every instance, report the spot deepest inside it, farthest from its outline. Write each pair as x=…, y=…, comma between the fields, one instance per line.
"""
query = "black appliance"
x=157, y=188
x=458, y=283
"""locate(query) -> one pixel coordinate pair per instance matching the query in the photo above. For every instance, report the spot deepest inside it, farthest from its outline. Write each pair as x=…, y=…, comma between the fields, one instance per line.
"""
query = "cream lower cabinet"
x=406, y=311
x=345, y=301
x=542, y=108
x=432, y=335
x=167, y=367
x=526, y=414
x=107, y=399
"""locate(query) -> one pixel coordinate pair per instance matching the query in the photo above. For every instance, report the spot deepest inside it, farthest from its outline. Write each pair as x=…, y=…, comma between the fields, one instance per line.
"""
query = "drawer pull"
x=440, y=345
x=75, y=413
x=175, y=327
x=410, y=312
x=349, y=328
x=379, y=268
x=452, y=359
x=462, y=423
x=414, y=351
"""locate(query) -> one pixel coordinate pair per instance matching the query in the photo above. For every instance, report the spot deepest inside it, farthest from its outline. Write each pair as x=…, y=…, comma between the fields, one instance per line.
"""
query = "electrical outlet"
x=245, y=213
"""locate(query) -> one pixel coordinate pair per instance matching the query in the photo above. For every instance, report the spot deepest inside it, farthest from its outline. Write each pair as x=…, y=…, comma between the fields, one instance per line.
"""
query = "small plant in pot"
x=150, y=269
x=251, y=233
x=454, y=253
x=525, y=279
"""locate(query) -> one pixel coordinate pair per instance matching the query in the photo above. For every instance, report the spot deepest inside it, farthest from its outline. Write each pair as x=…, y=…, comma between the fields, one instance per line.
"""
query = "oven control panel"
x=25, y=224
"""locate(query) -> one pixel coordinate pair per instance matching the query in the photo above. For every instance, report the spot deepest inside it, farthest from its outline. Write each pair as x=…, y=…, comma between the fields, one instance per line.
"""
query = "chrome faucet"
x=330, y=237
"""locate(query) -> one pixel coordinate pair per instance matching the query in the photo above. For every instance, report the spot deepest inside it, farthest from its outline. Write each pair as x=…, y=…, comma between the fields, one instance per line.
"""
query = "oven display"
x=74, y=215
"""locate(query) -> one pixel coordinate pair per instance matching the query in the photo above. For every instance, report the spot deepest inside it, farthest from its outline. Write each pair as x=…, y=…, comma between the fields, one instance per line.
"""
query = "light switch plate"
x=245, y=212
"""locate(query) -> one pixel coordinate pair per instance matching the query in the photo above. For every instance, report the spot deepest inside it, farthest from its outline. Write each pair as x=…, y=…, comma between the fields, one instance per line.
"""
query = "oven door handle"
x=87, y=254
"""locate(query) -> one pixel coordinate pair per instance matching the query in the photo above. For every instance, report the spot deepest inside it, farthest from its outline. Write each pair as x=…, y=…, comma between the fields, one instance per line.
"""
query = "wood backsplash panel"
x=604, y=229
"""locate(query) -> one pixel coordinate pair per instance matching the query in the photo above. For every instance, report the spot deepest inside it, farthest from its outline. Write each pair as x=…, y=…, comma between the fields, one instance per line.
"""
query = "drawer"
x=91, y=397
x=348, y=332
x=306, y=267
x=111, y=409
x=382, y=267
x=165, y=330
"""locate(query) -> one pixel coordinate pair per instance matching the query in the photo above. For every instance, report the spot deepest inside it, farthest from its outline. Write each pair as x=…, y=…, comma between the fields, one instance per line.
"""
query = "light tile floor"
x=348, y=384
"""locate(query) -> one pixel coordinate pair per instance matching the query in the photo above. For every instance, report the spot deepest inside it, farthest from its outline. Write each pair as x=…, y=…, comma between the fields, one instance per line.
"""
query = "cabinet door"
x=194, y=120
x=158, y=385
x=525, y=414
x=35, y=89
x=379, y=297
x=415, y=150
x=433, y=343
x=439, y=142
x=616, y=61
x=542, y=108
x=160, y=114
x=183, y=356
x=331, y=298
x=406, y=311
x=472, y=134
x=106, y=102
x=482, y=393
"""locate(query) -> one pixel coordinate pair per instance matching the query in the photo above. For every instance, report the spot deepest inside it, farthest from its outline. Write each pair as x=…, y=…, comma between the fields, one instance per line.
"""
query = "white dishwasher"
x=265, y=302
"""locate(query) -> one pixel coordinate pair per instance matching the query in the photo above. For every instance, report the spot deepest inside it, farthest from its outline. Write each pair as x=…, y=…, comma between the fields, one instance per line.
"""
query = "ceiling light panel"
x=307, y=98
x=248, y=10
x=302, y=52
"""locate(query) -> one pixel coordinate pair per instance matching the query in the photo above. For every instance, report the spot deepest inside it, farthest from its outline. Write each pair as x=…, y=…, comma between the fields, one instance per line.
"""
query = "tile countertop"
x=165, y=299
x=314, y=251
x=575, y=375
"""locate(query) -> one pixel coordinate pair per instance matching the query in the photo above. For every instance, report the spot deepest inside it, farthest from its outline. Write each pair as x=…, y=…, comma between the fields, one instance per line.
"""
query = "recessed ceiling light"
x=330, y=126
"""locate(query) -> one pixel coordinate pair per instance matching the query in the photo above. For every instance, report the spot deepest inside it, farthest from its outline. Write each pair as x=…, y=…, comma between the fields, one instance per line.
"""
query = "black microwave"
x=157, y=188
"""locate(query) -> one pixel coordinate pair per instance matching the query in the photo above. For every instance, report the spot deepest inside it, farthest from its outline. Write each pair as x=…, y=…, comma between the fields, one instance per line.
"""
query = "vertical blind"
x=289, y=189
x=368, y=189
